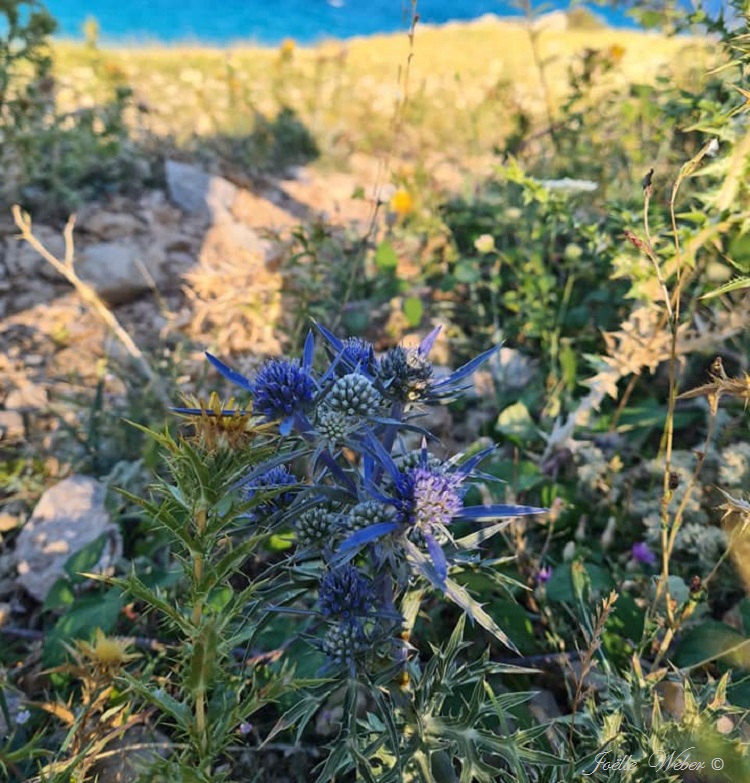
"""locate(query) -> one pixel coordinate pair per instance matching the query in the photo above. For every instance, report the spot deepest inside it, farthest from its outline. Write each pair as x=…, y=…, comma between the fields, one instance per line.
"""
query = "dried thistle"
x=720, y=384
x=219, y=426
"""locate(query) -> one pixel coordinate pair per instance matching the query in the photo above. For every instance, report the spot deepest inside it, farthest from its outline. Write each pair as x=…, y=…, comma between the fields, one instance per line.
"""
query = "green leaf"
x=87, y=614
x=560, y=586
x=413, y=310
x=60, y=596
x=385, y=257
x=735, y=284
x=516, y=424
x=514, y=618
x=710, y=641
x=280, y=542
x=85, y=559
x=165, y=703
x=467, y=272
x=744, y=610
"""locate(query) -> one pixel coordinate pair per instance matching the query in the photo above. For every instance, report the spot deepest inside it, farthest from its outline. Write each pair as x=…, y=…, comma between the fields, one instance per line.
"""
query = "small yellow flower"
x=616, y=53
x=402, y=203
x=286, y=50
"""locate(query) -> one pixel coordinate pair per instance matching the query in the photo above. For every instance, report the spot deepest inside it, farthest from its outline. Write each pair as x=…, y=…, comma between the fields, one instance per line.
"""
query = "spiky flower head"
x=406, y=373
x=356, y=355
x=344, y=642
x=353, y=395
x=416, y=459
x=345, y=594
x=282, y=387
x=219, y=426
x=107, y=654
x=432, y=497
x=274, y=478
x=316, y=527
x=369, y=512
x=334, y=426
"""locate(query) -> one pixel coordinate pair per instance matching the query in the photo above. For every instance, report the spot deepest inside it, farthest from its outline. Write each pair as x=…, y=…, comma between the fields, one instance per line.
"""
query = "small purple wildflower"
x=544, y=575
x=345, y=594
x=642, y=554
x=245, y=728
x=22, y=718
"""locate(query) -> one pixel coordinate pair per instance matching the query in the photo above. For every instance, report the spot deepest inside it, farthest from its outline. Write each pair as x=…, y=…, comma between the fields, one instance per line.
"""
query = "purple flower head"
x=282, y=387
x=431, y=497
x=274, y=478
x=345, y=594
x=642, y=554
x=544, y=575
x=356, y=355
x=426, y=498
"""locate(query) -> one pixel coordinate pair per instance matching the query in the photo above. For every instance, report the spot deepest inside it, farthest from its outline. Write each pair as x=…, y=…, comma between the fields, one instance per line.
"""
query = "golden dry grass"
x=465, y=83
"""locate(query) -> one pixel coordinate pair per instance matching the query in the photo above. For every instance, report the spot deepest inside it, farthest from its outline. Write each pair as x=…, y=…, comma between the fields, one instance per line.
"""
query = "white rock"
x=120, y=271
x=68, y=517
x=22, y=260
x=198, y=193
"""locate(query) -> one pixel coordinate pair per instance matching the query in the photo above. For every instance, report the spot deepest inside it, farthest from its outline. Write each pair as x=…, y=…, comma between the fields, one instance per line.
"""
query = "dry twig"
x=88, y=294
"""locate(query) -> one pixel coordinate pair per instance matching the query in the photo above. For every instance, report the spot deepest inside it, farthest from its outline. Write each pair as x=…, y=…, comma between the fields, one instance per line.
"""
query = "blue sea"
x=268, y=21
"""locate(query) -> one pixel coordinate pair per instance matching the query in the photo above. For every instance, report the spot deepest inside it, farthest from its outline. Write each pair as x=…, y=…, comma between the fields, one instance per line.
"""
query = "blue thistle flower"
x=344, y=643
x=275, y=478
x=353, y=395
x=356, y=355
x=432, y=496
x=407, y=374
x=282, y=389
x=427, y=498
x=345, y=594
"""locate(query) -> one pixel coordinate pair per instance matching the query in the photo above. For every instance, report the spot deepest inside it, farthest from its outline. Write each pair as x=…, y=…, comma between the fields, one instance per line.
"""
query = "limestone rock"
x=26, y=398
x=110, y=225
x=120, y=271
x=23, y=261
x=131, y=755
x=68, y=517
x=198, y=193
x=231, y=237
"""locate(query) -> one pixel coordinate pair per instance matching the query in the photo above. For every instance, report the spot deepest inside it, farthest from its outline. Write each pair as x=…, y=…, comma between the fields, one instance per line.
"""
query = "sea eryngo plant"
x=394, y=509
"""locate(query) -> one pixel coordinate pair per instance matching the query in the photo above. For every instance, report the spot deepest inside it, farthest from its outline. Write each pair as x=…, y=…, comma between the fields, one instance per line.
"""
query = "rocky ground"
x=196, y=265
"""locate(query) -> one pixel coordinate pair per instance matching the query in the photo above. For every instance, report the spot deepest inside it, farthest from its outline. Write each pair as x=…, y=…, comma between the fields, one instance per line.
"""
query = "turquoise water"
x=266, y=21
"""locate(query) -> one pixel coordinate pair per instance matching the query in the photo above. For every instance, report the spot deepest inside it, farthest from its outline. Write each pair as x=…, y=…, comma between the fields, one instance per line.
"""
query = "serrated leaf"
x=736, y=284
x=454, y=592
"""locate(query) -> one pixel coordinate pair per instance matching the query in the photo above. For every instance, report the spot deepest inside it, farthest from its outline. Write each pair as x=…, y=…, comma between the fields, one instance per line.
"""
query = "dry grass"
x=465, y=83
